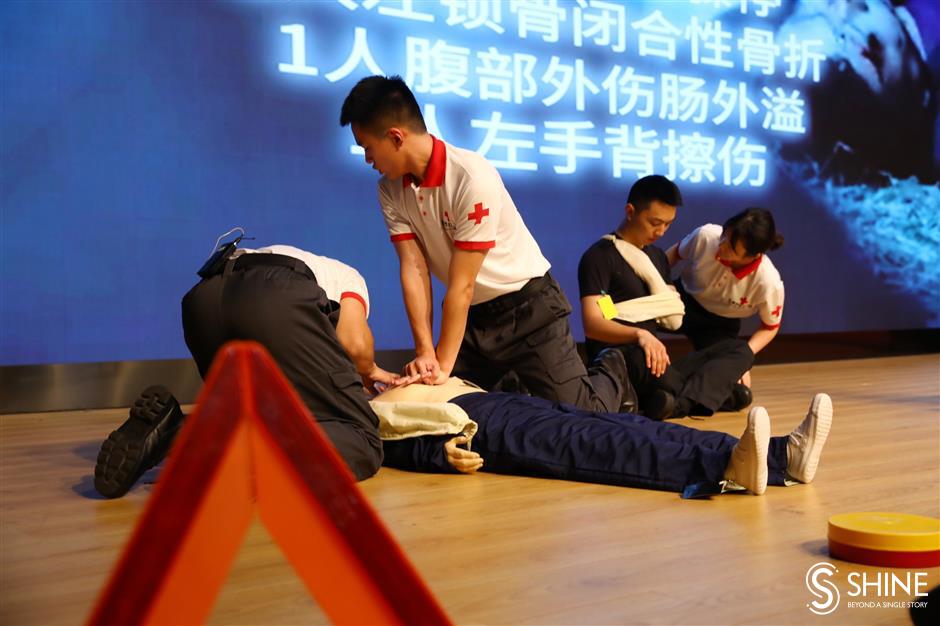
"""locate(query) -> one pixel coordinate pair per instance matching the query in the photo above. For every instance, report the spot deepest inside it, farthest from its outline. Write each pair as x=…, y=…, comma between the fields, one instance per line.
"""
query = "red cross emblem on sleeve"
x=776, y=311
x=743, y=300
x=478, y=213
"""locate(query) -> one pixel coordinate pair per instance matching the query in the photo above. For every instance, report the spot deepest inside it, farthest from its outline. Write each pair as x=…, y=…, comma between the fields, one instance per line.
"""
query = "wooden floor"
x=510, y=550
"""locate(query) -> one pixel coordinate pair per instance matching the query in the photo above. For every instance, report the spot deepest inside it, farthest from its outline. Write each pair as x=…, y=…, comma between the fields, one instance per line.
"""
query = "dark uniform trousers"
x=701, y=326
x=276, y=301
x=529, y=436
x=527, y=332
x=702, y=379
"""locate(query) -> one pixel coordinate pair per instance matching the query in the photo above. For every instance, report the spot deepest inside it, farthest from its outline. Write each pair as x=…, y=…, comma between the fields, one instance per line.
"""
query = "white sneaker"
x=748, y=465
x=807, y=440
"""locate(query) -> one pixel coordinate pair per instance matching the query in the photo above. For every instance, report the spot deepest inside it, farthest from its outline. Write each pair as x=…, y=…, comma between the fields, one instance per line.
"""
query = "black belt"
x=278, y=260
x=509, y=301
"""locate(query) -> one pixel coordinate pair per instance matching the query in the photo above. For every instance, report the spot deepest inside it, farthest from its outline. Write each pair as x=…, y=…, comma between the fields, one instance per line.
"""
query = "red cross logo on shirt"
x=776, y=311
x=743, y=300
x=478, y=213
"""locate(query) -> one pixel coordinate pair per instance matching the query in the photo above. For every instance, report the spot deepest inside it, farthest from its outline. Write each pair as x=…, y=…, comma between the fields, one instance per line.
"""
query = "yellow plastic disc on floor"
x=886, y=531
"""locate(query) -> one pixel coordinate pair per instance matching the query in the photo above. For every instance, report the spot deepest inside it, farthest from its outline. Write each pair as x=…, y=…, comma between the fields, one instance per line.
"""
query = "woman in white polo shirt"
x=725, y=276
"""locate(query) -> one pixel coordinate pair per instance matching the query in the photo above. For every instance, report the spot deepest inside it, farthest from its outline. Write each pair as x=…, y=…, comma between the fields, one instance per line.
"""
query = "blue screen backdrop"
x=133, y=134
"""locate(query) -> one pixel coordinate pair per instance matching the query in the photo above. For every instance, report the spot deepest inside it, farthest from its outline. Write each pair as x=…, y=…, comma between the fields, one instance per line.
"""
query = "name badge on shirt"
x=608, y=310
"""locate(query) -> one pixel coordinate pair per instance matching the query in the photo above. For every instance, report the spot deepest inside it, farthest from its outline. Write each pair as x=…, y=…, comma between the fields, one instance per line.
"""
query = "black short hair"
x=654, y=187
x=379, y=102
x=755, y=228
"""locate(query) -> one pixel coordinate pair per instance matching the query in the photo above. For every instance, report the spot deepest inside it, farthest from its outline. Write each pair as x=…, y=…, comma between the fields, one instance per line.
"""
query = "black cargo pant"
x=276, y=301
x=527, y=332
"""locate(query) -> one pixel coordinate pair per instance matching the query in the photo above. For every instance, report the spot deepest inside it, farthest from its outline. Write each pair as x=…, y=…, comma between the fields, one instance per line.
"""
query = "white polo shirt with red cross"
x=336, y=278
x=755, y=288
x=462, y=203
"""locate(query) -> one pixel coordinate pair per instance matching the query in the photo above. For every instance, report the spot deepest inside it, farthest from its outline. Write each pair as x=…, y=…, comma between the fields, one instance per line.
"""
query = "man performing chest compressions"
x=448, y=213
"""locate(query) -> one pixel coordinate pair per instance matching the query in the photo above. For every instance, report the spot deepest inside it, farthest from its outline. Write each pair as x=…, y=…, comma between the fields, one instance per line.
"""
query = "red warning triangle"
x=251, y=444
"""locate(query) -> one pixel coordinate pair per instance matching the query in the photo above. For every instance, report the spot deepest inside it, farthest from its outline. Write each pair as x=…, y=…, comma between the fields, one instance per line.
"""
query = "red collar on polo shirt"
x=741, y=272
x=434, y=174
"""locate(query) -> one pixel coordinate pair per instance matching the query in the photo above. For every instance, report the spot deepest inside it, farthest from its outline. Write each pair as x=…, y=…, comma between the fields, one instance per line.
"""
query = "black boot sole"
x=140, y=443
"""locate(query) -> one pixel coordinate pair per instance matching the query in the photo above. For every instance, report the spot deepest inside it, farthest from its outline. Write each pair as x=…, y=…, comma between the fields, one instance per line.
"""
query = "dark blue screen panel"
x=135, y=133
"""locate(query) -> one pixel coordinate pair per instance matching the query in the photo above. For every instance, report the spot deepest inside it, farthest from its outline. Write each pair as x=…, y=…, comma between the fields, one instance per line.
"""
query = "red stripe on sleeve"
x=403, y=237
x=355, y=296
x=769, y=326
x=475, y=245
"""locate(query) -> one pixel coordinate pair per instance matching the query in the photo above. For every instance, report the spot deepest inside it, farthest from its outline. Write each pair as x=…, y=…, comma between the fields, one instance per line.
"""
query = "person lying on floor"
x=424, y=427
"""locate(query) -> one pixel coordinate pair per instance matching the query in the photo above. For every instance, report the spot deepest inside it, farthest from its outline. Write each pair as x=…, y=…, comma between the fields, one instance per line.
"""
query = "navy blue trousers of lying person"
x=527, y=436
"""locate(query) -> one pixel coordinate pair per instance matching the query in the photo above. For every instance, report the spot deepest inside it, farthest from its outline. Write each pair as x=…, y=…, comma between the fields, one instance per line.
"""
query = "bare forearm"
x=355, y=336
x=610, y=331
x=461, y=280
x=362, y=353
x=416, y=289
x=453, y=324
x=761, y=338
x=599, y=328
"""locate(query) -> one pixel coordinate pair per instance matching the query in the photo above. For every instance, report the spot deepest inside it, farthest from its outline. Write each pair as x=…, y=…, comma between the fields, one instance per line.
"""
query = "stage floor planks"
x=512, y=550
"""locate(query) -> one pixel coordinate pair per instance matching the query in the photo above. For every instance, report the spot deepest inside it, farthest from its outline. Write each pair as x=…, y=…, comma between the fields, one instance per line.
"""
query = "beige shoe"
x=748, y=465
x=807, y=440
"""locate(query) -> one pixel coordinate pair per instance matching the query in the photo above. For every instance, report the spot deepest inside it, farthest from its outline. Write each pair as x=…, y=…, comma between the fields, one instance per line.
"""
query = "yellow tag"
x=608, y=310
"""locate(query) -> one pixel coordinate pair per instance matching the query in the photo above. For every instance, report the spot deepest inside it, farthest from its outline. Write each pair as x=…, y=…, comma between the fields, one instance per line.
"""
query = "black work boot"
x=740, y=398
x=659, y=405
x=140, y=443
x=612, y=360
